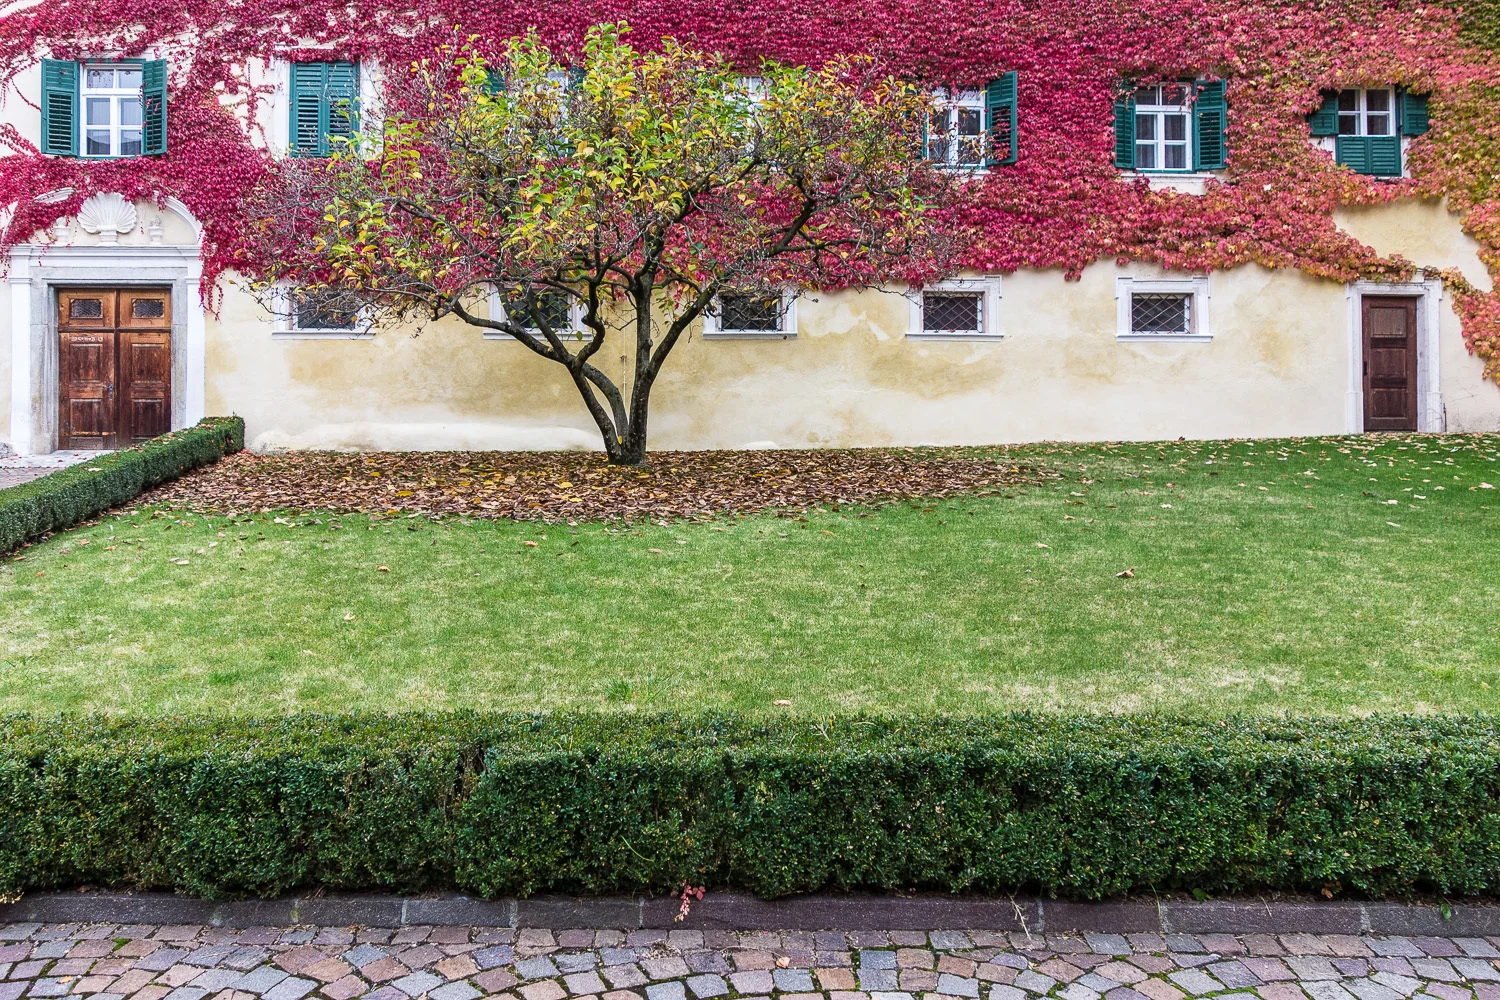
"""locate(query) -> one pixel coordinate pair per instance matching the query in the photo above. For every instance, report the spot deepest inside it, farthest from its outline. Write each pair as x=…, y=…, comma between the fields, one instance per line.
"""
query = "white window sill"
x=1183, y=183
x=748, y=335
x=1164, y=338
x=568, y=336
x=322, y=335
x=956, y=336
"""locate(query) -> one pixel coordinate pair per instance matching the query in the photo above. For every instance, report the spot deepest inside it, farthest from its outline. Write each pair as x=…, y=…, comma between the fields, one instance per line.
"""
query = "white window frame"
x=988, y=289
x=1198, y=311
x=114, y=94
x=754, y=89
x=284, y=322
x=952, y=104
x=498, y=312
x=713, y=331
x=1363, y=112
x=1160, y=113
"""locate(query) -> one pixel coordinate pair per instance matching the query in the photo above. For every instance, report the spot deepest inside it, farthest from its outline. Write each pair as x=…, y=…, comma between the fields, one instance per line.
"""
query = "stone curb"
x=738, y=911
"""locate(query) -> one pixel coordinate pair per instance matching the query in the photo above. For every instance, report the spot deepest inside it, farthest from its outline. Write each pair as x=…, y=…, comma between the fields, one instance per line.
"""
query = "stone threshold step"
x=739, y=911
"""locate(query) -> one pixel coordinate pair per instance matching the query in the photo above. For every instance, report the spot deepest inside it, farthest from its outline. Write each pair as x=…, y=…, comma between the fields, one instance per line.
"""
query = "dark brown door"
x=145, y=345
x=115, y=366
x=1390, y=363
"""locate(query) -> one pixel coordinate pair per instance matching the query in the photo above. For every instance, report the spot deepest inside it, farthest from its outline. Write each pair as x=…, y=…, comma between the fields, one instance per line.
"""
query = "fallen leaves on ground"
x=563, y=486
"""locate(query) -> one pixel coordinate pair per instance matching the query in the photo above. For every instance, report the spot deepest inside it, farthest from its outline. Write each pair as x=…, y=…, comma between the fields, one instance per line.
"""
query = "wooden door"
x=1390, y=363
x=86, y=369
x=145, y=346
x=114, y=366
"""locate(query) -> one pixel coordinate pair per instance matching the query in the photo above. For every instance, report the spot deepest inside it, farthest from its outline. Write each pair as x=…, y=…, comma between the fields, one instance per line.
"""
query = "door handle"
x=110, y=389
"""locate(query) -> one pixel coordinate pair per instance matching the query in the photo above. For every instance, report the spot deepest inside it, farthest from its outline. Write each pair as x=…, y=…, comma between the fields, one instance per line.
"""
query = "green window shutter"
x=1325, y=120
x=1210, y=114
x=1413, y=113
x=154, y=103
x=324, y=104
x=494, y=81
x=1000, y=109
x=1125, y=128
x=309, y=111
x=59, y=107
x=575, y=77
x=1385, y=155
x=1353, y=151
x=1372, y=155
x=342, y=101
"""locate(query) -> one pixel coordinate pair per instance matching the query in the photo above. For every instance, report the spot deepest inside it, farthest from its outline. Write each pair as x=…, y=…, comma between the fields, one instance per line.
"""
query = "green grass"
x=1272, y=576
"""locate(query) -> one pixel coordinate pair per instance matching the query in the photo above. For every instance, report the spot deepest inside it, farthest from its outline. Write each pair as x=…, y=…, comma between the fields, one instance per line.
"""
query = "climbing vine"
x=1062, y=206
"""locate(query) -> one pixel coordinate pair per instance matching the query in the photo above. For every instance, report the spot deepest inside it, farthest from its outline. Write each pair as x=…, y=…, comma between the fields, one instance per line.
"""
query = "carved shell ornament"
x=108, y=215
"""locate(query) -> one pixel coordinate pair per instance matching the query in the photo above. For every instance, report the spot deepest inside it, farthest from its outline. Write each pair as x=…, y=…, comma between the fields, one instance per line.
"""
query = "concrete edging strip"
x=739, y=911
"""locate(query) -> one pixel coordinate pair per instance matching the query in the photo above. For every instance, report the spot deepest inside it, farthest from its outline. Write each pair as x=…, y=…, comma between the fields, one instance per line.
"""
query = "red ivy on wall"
x=1064, y=205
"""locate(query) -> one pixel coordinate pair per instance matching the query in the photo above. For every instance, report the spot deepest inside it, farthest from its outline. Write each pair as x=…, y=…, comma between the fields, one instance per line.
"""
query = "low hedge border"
x=63, y=498
x=517, y=804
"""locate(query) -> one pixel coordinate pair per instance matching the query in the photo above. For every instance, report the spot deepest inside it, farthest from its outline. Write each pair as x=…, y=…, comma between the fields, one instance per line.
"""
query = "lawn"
x=1331, y=575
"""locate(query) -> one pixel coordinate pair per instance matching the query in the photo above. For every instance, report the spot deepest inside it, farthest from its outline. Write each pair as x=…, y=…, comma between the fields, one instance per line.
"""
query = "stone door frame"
x=38, y=270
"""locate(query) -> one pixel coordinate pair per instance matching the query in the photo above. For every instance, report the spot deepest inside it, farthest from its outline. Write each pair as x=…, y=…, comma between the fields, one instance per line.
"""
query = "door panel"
x=145, y=384
x=1390, y=363
x=151, y=309
x=115, y=366
x=86, y=309
x=86, y=391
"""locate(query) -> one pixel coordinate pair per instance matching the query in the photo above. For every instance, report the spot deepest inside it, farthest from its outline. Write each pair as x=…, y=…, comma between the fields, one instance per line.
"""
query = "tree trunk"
x=632, y=451
x=630, y=447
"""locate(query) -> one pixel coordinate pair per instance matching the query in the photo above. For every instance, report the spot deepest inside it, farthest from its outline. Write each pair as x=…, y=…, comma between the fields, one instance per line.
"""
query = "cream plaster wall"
x=1277, y=365
x=21, y=102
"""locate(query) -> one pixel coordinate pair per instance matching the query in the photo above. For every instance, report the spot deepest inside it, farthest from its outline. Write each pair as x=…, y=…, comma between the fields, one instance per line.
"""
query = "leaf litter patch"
x=571, y=486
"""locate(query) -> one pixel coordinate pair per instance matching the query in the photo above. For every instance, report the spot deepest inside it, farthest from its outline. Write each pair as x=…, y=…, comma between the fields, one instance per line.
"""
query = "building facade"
x=119, y=318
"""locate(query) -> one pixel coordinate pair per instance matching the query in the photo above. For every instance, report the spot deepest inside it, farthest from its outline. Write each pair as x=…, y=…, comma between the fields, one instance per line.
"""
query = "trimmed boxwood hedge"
x=63, y=498
x=502, y=804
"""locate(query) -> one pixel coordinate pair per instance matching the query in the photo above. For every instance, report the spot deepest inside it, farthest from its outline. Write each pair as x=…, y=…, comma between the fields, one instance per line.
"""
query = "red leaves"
x=561, y=486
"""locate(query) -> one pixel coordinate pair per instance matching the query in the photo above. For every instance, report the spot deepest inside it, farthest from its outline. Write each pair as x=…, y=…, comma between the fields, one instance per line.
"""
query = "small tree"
x=637, y=187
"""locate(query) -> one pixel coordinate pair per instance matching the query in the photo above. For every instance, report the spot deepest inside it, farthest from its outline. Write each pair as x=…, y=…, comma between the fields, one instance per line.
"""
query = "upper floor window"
x=955, y=134
x=1176, y=126
x=324, y=106
x=113, y=114
x=104, y=109
x=1367, y=112
x=969, y=129
x=753, y=88
x=1162, y=138
x=1367, y=124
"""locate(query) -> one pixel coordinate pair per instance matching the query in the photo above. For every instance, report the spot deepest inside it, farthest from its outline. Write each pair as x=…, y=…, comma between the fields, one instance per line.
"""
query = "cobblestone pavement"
x=15, y=470
x=113, y=962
